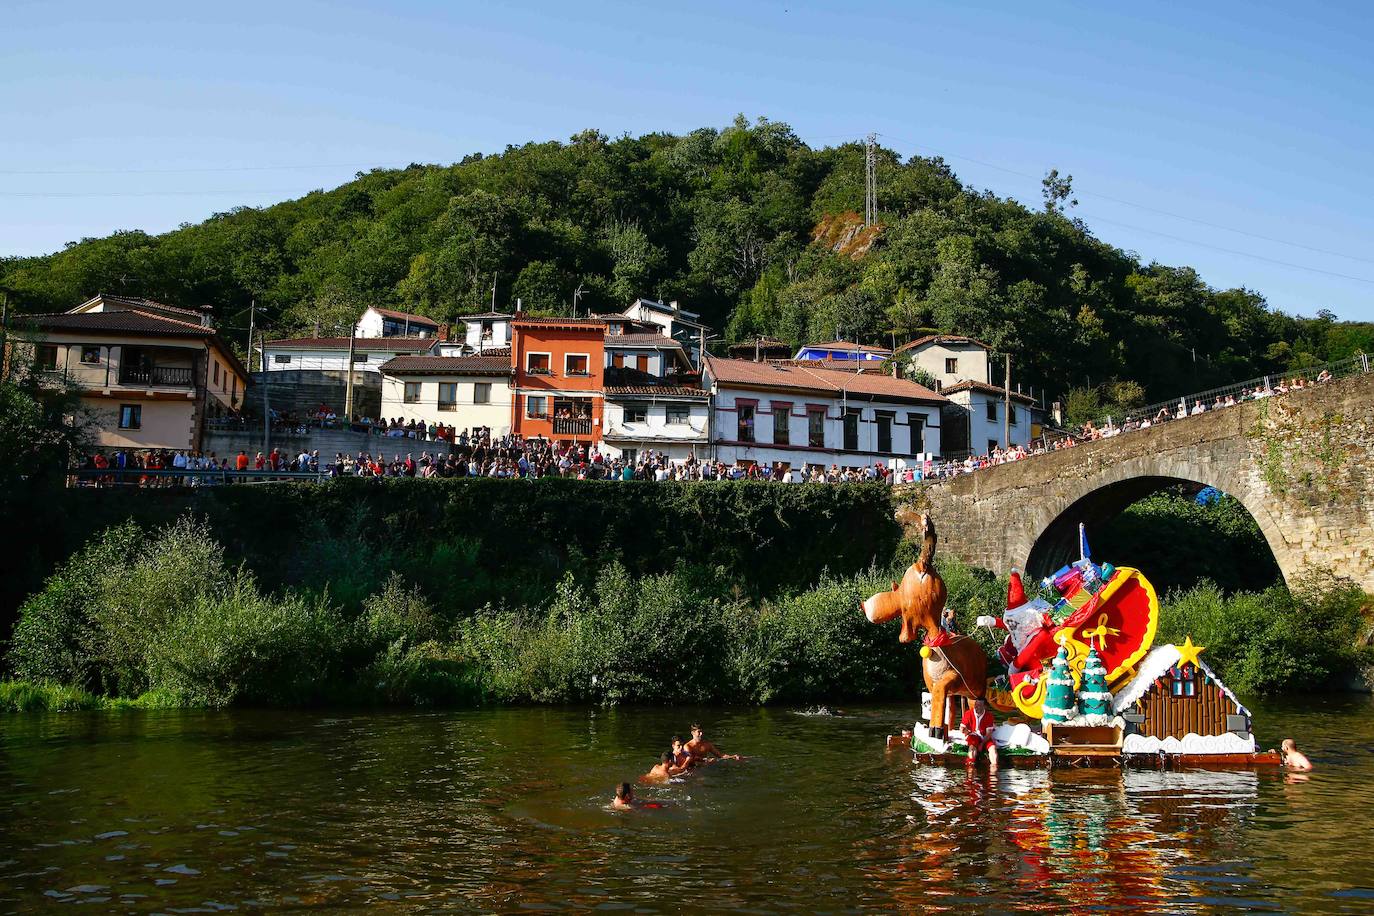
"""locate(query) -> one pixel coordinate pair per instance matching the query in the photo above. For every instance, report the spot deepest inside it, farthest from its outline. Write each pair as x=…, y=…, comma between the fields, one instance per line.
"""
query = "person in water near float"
x=1293, y=758
x=664, y=770
x=701, y=749
x=978, y=725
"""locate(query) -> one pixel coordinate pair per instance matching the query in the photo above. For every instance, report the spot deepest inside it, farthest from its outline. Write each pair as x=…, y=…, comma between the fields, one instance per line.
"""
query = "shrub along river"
x=502, y=809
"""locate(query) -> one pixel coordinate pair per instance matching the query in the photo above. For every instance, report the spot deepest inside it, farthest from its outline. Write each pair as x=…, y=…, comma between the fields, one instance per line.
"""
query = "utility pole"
x=493, y=291
x=871, y=180
x=266, y=402
x=1006, y=405
x=252, y=309
x=348, y=383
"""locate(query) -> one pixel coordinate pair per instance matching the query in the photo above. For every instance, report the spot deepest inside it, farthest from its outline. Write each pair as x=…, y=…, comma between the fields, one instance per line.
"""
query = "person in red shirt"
x=978, y=725
x=241, y=462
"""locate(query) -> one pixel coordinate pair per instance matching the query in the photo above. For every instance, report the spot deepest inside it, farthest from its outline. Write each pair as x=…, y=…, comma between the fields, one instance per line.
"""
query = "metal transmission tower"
x=871, y=180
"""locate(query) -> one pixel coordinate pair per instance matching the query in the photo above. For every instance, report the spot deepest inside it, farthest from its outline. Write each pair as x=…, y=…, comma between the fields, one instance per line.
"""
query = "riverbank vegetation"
x=165, y=617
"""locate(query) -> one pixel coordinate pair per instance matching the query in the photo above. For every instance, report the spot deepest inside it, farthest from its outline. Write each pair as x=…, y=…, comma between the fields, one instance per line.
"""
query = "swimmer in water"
x=1293, y=758
x=664, y=770
x=703, y=750
x=681, y=756
x=625, y=797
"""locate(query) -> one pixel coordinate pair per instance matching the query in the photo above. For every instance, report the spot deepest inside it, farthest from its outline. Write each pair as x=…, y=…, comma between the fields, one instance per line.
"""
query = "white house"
x=948, y=358
x=465, y=392
x=963, y=372
x=803, y=416
x=486, y=330
x=643, y=414
x=369, y=353
x=980, y=408
x=380, y=322
x=683, y=326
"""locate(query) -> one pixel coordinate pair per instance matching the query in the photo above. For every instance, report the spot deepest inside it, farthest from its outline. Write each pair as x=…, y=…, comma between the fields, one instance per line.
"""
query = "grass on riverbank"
x=162, y=618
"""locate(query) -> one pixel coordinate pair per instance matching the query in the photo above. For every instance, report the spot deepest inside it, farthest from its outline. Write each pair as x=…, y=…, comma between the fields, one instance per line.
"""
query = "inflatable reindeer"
x=952, y=664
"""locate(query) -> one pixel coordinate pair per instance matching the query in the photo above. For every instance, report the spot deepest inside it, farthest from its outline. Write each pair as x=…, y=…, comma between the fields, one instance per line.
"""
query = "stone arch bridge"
x=1302, y=463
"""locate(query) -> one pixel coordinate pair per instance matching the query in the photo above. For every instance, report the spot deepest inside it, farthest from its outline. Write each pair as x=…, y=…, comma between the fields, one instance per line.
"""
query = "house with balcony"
x=559, y=370
x=801, y=416
x=380, y=322
x=650, y=352
x=976, y=422
x=645, y=412
x=485, y=331
x=465, y=392
x=676, y=322
x=149, y=374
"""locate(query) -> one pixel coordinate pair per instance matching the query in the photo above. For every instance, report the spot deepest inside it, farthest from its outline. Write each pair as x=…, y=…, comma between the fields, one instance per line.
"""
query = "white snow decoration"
x=1153, y=667
x=1020, y=735
x=1005, y=735
x=1229, y=743
x=920, y=732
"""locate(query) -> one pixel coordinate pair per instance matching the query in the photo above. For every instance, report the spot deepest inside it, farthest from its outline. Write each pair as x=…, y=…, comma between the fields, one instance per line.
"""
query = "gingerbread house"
x=1174, y=703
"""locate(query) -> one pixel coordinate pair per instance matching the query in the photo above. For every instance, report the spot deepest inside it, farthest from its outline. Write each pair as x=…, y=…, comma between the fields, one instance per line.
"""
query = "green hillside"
x=723, y=221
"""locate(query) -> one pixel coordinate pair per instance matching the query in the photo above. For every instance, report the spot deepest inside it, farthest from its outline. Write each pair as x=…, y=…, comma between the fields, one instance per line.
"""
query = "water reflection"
x=504, y=809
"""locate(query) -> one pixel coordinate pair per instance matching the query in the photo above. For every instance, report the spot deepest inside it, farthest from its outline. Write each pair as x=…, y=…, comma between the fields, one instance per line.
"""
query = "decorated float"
x=1085, y=684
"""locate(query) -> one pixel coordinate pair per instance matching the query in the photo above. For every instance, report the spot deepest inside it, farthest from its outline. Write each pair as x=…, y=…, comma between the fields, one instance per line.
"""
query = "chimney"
x=897, y=370
x=205, y=311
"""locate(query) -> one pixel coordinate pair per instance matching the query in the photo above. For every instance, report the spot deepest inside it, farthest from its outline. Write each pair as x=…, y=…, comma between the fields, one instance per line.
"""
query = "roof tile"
x=780, y=374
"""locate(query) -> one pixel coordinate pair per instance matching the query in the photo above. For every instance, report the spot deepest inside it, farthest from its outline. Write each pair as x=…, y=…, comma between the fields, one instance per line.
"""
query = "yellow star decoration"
x=1188, y=652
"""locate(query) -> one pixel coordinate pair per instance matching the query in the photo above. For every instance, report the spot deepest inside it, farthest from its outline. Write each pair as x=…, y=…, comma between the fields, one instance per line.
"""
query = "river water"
x=501, y=810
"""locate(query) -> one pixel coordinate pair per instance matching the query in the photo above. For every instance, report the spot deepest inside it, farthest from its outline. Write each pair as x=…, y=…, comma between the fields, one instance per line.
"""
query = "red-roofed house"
x=149, y=374
x=559, y=366
x=964, y=373
x=465, y=392
x=380, y=322
x=803, y=416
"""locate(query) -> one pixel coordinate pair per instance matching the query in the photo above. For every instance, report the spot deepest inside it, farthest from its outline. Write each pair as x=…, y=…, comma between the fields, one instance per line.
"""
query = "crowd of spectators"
x=150, y=467
x=479, y=453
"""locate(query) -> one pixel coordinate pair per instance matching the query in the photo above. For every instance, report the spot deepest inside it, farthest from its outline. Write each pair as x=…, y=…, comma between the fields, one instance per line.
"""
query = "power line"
x=184, y=171
x=81, y=194
x=1140, y=206
x=1243, y=254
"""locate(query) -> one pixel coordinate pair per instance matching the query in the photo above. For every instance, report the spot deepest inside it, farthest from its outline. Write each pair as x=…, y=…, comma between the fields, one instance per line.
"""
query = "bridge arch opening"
x=1169, y=550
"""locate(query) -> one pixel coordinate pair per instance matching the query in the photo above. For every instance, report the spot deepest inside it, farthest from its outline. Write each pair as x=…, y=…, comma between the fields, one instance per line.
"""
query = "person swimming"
x=625, y=796
x=664, y=770
x=681, y=756
x=1293, y=758
x=703, y=750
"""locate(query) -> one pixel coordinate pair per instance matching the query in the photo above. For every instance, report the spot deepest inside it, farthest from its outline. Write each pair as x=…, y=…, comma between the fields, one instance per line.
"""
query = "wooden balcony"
x=158, y=376
x=566, y=426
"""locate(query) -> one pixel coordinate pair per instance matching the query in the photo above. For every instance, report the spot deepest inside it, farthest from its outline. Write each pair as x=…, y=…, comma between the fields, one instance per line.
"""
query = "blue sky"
x=1251, y=120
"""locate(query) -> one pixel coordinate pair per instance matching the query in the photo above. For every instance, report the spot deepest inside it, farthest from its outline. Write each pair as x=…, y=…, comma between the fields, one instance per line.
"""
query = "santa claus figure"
x=1030, y=632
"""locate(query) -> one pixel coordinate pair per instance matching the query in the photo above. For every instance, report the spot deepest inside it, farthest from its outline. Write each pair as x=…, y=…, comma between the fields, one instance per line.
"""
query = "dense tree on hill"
x=722, y=220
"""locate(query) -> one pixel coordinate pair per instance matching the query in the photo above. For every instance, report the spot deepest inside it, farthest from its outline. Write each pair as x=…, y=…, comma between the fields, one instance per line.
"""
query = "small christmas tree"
x=1060, y=704
x=1095, y=700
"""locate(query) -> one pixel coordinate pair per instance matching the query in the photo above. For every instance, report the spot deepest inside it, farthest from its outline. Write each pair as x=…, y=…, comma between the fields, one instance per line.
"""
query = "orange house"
x=559, y=377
